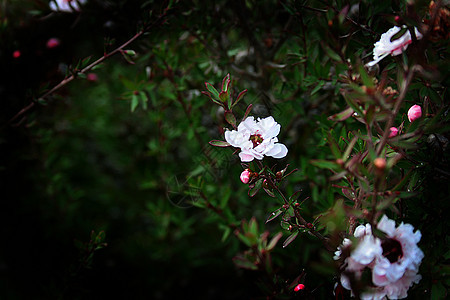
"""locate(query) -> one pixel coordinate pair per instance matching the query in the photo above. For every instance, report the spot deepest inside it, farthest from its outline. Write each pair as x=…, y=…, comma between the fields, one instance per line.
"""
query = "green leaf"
x=318, y=87
x=399, y=34
x=239, y=97
x=247, y=111
x=226, y=233
x=333, y=146
x=258, y=184
x=226, y=83
x=438, y=291
x=274, y=215
x=343, y=115
x=218, y=143
x=211, y=98
x=325, y=164
x=290, y=239
x=367, y=81
x=274, y=241
x=331, y=53
x=231, y=119
x=134, y=102
x=213, y=91
x=224, y=97
x=242, y=262
x=351, y=102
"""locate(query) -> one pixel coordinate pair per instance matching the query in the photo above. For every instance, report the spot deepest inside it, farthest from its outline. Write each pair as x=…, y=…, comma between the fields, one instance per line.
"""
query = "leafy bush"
x=113, y=181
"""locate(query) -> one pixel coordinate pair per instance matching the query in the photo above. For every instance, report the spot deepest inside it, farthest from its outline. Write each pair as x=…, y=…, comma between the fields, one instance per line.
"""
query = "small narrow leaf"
x=212, y=99
x=274, y=215
x=325, y=164
x=231, y=119
x=399, y=34
x=239, y=97
x=290, y=239
x=269, y=192
x=134, y=102
x=253, y=191
x=343, y=115
x=274, y=241
x=226, y=83
x=247, y=111
x=218, y=143
x=212, y=90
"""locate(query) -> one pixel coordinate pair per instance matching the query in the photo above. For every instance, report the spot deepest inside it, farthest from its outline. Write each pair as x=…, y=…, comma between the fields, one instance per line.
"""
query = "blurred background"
x=109, y=186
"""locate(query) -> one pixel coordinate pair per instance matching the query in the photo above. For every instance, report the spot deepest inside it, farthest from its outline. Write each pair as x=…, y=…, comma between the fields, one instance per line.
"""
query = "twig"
x=89, y=67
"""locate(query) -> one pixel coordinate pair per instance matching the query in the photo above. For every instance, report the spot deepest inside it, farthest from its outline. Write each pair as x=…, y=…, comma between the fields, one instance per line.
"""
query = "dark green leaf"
x=290, y=239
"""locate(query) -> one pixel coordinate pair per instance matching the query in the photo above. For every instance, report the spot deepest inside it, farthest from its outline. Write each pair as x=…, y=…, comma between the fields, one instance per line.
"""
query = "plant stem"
x=89, y=67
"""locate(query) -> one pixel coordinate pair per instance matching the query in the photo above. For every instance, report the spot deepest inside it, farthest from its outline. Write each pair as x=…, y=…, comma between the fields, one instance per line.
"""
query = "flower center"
x=392, y=250
x=256, y=139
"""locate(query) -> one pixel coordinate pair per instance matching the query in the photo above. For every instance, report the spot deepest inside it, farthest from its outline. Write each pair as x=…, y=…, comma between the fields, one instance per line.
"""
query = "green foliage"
x=129, y=156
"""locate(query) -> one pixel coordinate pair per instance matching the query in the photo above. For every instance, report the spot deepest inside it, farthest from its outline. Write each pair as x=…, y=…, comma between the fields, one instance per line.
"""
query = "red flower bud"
x=52, y=43
x=299, y=287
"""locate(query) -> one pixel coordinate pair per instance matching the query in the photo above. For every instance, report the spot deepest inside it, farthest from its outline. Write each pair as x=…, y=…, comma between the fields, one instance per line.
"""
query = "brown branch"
x=398, y=103
x=89, y=67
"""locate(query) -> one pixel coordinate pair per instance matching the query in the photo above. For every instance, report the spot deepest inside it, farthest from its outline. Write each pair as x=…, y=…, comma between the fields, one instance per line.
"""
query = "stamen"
x=256, y=139
x=392, y=250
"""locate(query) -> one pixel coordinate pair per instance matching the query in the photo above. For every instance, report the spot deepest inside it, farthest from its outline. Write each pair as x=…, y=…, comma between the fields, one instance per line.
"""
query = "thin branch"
x=89, y=67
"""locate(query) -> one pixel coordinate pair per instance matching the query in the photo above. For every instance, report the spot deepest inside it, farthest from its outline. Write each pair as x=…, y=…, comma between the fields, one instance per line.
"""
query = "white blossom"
x=393, y=260
x=257, y=139
x=66, y=5
x=385, y=46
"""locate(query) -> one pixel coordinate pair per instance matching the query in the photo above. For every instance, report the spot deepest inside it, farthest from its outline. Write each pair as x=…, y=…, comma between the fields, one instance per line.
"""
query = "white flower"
x=385, y=46
x=363, y=256
x=256, y=139
x=66, y=5
x=394, y=260
x=397, y=268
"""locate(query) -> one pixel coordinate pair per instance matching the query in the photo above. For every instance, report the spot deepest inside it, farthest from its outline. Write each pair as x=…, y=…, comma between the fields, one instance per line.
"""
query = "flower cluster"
x=386, y=45
x=256, y=139
x=393, y=261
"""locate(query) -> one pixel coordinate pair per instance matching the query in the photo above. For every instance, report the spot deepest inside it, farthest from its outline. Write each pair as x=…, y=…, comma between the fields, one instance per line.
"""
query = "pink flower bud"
x=52, y=43
x=394, y=131
x=414, y=112
x=245, y=176
x=299, y=287
x=91, y=77
x=16, y=54
x=380, y=163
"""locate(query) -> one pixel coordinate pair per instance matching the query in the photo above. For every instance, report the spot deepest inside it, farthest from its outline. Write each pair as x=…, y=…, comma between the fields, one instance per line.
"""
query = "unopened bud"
x=53, y=43
x=393, y=132
x=380, y=163
x=414, y=113
x=299, y=287
x=245, y=176
x=91, y=77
